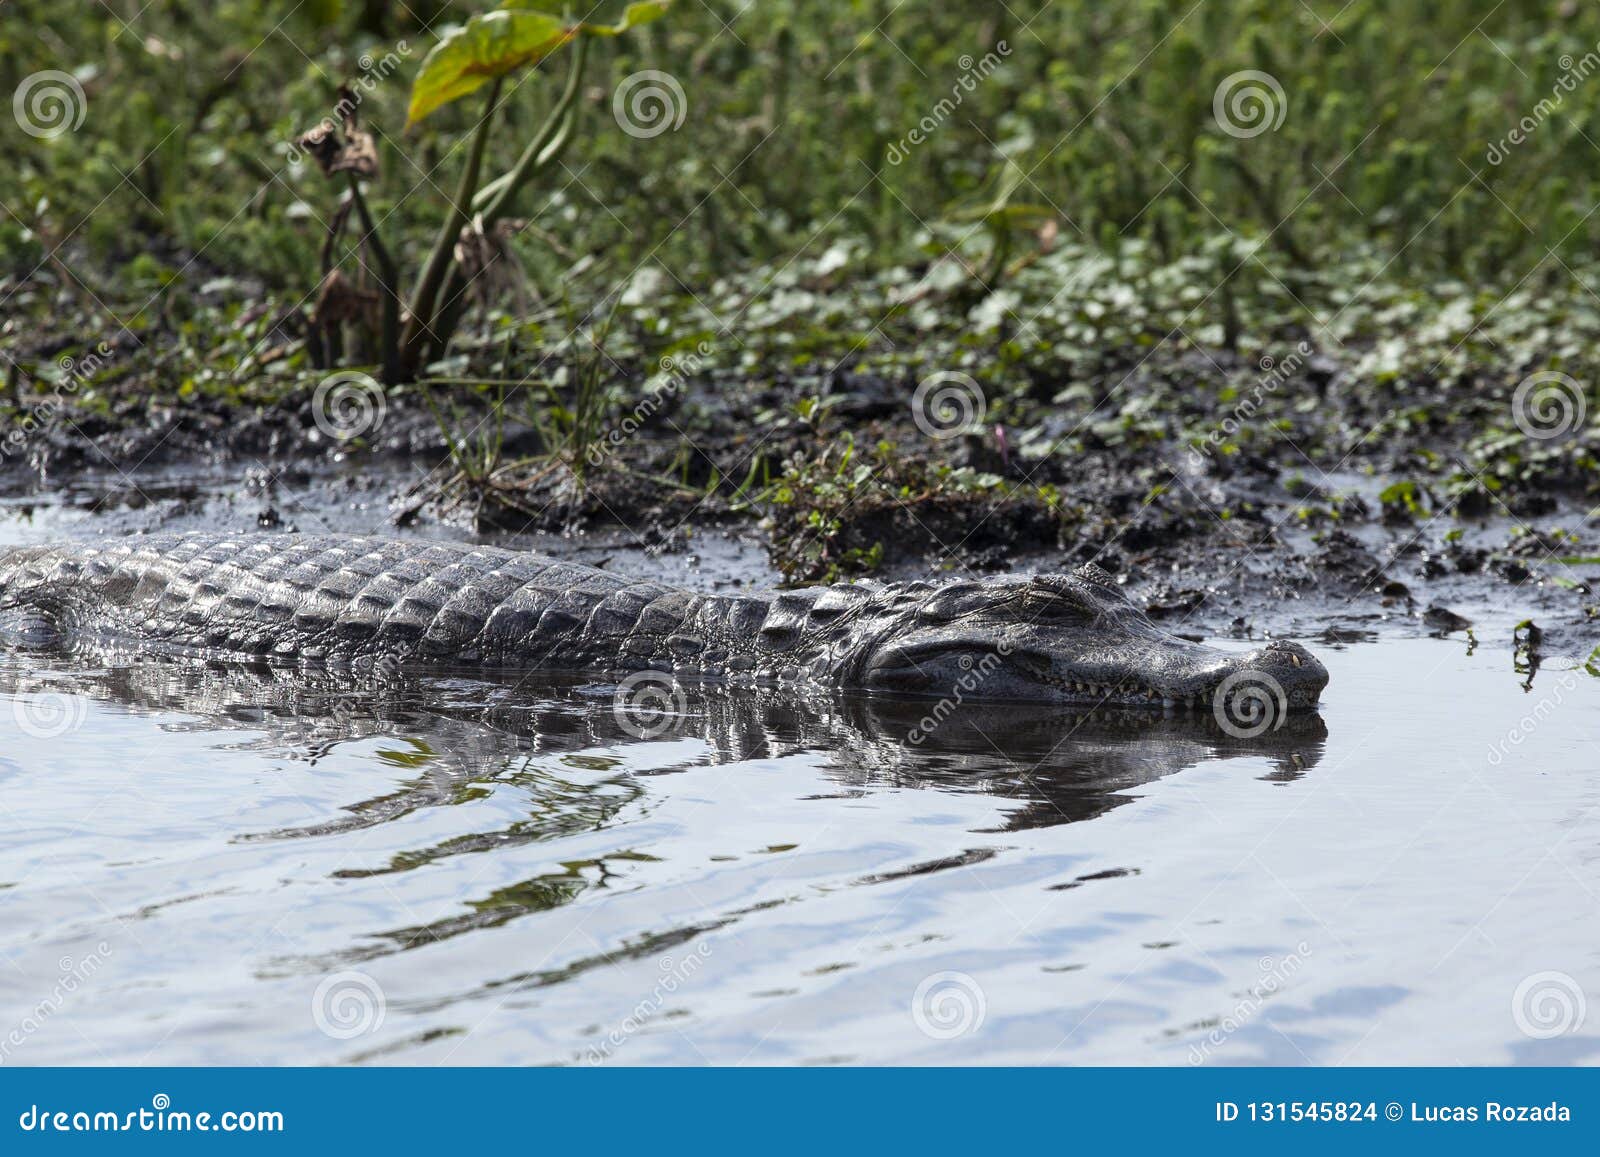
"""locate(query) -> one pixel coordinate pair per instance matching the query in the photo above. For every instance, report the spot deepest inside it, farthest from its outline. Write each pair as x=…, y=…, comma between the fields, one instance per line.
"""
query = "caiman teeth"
x=1134, y=693
x=1127, y=693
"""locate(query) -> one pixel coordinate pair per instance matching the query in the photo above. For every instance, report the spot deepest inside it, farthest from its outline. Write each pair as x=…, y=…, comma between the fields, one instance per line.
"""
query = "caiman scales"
x=336, y=600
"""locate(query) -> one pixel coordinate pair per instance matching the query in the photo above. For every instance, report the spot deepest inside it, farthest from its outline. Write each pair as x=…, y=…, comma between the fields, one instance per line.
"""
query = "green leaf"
x=489, y=45
x=634, y=15
x=492, y=44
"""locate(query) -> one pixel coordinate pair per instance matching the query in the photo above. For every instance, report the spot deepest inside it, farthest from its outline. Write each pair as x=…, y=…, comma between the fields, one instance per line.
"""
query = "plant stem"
x=388, y=281
x=435, y=314
x=500, y=191
x=417, y=328
x=452, y=302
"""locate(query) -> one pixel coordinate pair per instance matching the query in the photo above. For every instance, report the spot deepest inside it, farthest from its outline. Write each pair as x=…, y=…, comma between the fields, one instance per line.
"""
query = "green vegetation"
x=834, y=502
x=797, y=113
x=1111, y=218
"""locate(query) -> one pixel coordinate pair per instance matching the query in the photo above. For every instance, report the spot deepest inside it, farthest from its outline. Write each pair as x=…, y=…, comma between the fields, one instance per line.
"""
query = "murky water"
x=207, y=865
x=203, y=865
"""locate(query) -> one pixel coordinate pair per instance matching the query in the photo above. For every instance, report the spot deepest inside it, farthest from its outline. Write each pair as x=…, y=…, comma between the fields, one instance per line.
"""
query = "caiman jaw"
x=1282, y=671
x=1163, y=673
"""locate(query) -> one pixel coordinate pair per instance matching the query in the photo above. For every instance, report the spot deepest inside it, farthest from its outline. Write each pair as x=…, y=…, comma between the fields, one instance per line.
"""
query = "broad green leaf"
x=494, y=43
x=489, y=45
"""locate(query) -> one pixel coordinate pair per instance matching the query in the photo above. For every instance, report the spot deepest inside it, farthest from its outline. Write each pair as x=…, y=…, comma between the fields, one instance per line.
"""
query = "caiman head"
x=1074, y=638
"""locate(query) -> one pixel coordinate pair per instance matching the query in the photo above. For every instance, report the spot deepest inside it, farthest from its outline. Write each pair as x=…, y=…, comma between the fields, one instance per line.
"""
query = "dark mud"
x=1306, y=491
x=1251, y=553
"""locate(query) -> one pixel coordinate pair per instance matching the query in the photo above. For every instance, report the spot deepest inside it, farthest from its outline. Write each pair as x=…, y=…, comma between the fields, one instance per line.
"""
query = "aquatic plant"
x=480, y=53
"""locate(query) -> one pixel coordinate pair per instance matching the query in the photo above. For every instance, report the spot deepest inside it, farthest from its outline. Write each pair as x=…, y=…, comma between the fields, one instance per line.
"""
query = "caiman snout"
x=1291, y=669
x=1076, y=638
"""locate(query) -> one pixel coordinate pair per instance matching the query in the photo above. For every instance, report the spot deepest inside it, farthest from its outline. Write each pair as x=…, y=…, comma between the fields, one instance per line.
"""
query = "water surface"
x=206, y=865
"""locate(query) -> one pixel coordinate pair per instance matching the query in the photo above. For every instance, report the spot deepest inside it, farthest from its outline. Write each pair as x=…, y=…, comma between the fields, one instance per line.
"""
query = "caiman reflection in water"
x=454, y=739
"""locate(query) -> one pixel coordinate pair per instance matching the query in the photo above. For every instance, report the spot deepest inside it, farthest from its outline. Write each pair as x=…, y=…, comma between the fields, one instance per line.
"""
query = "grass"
x=1042, y=196
x=796, y=113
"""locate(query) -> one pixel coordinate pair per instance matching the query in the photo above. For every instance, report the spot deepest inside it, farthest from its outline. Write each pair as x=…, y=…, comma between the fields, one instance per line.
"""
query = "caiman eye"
x=1097, y=575
x=1064, y=596
x=952, y=602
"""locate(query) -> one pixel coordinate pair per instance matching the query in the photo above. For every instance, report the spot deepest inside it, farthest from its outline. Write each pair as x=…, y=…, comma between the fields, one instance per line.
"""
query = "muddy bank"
x=1264, y=570
x=1406, y=464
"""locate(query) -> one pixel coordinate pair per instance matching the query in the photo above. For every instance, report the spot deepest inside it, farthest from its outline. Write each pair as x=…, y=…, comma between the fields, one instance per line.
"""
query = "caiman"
x=346, y=601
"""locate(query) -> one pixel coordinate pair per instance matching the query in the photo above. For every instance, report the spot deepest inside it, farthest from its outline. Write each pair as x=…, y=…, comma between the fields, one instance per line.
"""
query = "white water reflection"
x=461, y=872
